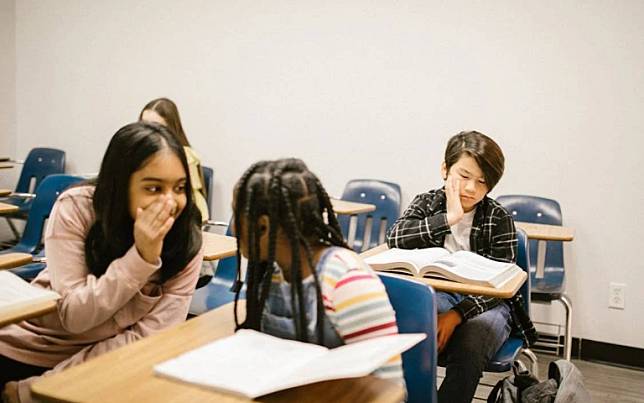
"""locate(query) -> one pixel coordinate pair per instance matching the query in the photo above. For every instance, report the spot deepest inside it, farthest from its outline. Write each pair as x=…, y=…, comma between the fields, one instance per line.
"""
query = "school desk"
x=218, y=246
x=507, y=291
x=11, y=260
x=126, y=374
x=6, y=208
x=543, y=233
x=25, y=310
x=5, y=192
x=351, y=208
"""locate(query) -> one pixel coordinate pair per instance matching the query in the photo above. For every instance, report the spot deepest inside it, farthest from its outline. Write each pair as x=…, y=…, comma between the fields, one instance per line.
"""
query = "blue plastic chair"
x=513, y=346
x=415, y=306
x=40, y=163
x=385, y=196
x=207, y=178
x=551, y=287
x=218, y=291
x=30, y=242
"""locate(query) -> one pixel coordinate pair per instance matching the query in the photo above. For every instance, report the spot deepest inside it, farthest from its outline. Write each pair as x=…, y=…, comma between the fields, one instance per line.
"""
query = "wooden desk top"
x=546, y=232
x=126, y=374
x=508, y=290
x=218, y=246
x=5, y=192
x=8, y=208
x=27, y=310
x=11, y=260
x=349, y=208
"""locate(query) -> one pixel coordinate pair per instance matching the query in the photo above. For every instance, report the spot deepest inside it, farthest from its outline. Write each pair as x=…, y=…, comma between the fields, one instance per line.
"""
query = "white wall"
x=7, y=86
x=370, y=89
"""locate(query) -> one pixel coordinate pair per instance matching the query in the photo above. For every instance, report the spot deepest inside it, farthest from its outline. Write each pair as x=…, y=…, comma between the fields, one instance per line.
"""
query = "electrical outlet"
x=616, y=295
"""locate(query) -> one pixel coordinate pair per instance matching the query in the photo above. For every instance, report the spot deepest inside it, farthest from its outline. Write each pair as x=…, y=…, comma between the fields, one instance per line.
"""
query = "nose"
x=470, y=186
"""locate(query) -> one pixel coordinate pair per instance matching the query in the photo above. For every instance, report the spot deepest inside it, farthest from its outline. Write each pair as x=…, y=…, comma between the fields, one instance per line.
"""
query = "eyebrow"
x=152, y=179
x=470, y=173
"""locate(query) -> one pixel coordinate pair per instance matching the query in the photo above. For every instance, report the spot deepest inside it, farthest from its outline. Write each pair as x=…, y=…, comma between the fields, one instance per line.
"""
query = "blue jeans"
x=471, y=346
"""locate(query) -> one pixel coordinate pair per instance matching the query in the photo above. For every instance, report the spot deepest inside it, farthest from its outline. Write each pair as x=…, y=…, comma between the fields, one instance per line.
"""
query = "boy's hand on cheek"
x=453, y=193
x=151, y=226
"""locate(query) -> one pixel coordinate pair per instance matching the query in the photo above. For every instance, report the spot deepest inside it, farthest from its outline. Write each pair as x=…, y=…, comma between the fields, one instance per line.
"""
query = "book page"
x=357, y=359
x=248, y=363
x=254, y=364
x=416, y=257
x=469, y=267
x=15, y=291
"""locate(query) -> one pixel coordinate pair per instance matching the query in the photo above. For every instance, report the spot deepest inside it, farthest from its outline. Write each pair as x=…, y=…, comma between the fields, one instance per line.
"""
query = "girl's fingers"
x=165, y=228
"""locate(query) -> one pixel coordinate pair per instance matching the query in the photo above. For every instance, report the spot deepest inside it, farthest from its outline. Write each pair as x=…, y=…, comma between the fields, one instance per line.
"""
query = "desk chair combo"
x=371, y=227
x=40, y=163
x=550, y=287
x=31, y=241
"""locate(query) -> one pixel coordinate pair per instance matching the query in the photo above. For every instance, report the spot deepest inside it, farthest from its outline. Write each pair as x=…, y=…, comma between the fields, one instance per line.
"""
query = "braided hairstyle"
x=295, y=201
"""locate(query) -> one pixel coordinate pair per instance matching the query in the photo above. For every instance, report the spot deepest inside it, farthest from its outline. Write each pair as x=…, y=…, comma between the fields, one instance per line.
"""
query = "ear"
x=444, y=171
x=264, y=226
x=263, y=223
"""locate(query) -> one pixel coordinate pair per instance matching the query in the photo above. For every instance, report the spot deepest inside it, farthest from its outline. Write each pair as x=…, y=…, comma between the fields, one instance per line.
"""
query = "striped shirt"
x=493, y=235
x=355, y=301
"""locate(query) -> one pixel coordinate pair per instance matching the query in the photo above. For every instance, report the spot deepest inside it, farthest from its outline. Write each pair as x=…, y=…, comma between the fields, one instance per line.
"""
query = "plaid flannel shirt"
x=493, y=235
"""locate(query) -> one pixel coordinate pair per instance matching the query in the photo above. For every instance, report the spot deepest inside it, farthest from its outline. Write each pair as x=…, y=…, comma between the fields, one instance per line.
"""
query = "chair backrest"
x=523, y=261
x=207, y=178
x=40, y=163
x=537, y=210
x=385, y=196
x=415, y=306
x=46, y=194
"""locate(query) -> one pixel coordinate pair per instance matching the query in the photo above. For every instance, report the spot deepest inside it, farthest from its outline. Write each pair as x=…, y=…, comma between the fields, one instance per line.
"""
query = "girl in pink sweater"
x=124, y=251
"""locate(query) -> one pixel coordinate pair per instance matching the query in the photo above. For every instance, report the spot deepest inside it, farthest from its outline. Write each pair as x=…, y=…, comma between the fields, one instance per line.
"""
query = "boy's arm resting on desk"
x=417, y=227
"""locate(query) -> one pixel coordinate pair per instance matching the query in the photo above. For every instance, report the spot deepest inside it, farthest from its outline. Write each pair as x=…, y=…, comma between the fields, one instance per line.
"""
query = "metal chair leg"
x=534, y=364
x=16, y=234
x=568, y=336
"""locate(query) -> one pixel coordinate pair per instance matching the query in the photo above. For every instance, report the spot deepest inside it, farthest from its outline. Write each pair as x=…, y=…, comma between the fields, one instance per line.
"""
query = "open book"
x=253, y=364
x=16, y=293
x=462, y=266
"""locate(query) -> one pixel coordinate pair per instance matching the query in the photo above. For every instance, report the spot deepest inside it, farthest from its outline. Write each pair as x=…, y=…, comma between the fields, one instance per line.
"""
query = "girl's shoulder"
x=337, y=262
x=75, y=205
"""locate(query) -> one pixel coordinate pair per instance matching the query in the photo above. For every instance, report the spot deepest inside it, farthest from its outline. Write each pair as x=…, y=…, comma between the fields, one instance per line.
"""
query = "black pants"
x=11, y=370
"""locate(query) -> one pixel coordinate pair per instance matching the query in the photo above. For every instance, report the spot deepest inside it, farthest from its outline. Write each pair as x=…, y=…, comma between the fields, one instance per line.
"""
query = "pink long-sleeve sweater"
x=94, y=315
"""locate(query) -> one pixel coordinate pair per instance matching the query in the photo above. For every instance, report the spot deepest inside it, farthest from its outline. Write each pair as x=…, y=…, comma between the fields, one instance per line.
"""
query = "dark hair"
x=484, y=150
x=112, y=233
x=169, y=112
x=295, y=201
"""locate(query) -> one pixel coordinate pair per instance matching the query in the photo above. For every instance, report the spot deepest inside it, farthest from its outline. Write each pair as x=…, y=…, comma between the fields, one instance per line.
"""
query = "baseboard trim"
x=615, y=354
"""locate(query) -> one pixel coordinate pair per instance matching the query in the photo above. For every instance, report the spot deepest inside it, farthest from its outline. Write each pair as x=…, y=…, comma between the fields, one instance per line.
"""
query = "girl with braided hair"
x=303, y=282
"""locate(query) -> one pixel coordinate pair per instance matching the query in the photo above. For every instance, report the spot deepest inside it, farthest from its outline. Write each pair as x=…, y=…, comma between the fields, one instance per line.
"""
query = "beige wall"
x=7, y=85
x=371, y=89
